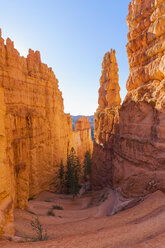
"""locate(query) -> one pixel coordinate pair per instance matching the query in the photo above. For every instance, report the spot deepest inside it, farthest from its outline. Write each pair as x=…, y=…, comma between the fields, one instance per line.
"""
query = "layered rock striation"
x=135, y=158
x=35, y=133
x=105, y=119
x=139, y=147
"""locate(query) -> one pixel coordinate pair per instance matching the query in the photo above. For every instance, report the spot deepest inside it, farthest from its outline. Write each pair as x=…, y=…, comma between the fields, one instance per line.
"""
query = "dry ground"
x=85, y=222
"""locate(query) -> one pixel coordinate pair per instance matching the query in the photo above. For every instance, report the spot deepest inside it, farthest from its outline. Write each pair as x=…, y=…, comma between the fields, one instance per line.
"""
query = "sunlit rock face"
x=109, y=87
x=35, y=133
x=6, y=175
x=139, y=145
x=105, y=119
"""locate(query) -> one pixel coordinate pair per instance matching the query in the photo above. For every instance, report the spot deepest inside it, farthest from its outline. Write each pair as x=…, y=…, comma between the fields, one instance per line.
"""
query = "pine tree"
x=73, y=173
x=76, y=185
x=77, y=171
x=61, y=175
x=69, y=175
x=87, y=165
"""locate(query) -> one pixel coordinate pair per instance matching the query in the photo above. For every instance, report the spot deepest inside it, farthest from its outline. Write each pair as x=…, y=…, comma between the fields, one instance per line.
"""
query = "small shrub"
x=41, y=233
x=10, y=239
x=34, y=240
x=30, y=212
x=50, y=213
x=30, y=199
x=103, y=198
x=57, y=207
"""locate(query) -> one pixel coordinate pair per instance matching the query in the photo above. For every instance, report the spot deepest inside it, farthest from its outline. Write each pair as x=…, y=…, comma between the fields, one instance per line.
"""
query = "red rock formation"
x=135, y=157
x=105, y=119
x=82, y=123
x=109, y=87
x=139, y=145
x=34, y=131
x=82, y=138
x=6, y=172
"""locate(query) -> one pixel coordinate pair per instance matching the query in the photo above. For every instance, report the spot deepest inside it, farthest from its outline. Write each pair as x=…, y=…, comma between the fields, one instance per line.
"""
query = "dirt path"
x=83, y=222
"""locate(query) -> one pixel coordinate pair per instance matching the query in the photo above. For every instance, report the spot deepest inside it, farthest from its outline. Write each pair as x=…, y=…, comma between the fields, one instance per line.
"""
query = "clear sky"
x=72, y=37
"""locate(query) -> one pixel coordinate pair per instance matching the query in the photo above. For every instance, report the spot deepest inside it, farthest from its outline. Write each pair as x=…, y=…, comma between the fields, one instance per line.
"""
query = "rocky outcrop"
x=139, y=147
x=109, y=87
x=82, y=138
x=35, y=133
x=105, y=119
x=135, y=158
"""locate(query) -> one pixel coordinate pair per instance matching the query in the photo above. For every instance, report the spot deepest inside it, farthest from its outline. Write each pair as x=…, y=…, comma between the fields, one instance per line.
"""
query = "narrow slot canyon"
x=85, y=181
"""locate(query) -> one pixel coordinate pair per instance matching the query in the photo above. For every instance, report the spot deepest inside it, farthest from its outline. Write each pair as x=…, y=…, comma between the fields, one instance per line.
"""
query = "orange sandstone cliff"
x=105, y=119
x=139, y=147
x=34, y=130
x=135, y=159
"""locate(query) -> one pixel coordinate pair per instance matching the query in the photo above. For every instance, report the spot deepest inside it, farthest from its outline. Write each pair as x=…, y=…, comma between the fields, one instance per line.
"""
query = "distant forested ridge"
x=90, y=118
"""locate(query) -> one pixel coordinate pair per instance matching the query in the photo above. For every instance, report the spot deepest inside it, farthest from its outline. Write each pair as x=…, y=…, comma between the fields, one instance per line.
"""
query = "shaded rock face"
x=135, y=158
x=105, y=119
x=82, y=137
x=139, y=146
x=35, y=133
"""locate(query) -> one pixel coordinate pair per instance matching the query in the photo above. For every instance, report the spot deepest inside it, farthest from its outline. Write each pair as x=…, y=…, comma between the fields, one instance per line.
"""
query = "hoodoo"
x=105, y=118
x=139, y=146
x=131, y=146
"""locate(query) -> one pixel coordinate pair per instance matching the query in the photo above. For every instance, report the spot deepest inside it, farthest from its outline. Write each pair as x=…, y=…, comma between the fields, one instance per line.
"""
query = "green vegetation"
x=57, y=207
x=50, y=213
x=30, y=199
x=70, y=179
x=103, y=198
x=73, y=169
x=62, y=176
x=40, y=232
x=30, y=212
x=70, y=176
x=87, y=165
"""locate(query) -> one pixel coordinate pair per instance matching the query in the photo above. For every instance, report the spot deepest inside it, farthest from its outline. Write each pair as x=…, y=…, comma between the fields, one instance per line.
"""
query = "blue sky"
x=72, y=37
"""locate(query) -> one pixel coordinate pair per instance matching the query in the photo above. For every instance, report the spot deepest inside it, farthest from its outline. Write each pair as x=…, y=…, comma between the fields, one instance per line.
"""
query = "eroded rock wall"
x=139, y=147
x=35, y=133
x=135, y=155
x=105, y=119
x=36, y=141
x=6, y=177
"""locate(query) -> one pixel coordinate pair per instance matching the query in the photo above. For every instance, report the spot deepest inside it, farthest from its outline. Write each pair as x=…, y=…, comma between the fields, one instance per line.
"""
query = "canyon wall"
x=82, y=138
x=136, y=154
x=35, y=133
x=139, y=145
x=6, y=177
x=105, y=119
